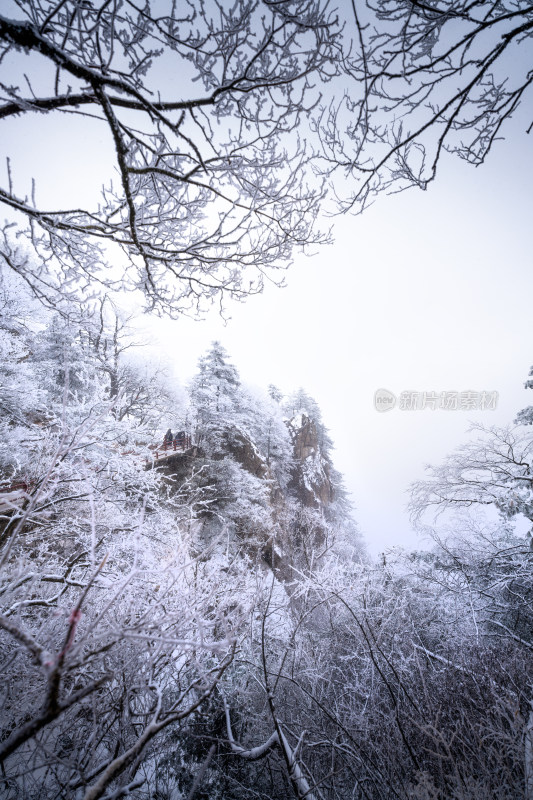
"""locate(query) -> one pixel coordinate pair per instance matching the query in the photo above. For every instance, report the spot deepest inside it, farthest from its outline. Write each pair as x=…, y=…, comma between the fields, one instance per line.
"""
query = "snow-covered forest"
x=188, y=610
x=198, y=618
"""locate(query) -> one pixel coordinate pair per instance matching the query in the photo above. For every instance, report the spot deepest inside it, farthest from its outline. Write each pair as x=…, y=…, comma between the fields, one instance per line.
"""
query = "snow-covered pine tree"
x=214, y=393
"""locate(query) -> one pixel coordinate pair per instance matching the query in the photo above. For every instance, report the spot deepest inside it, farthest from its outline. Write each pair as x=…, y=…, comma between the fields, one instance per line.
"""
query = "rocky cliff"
x=285, y=527
x=311, y=478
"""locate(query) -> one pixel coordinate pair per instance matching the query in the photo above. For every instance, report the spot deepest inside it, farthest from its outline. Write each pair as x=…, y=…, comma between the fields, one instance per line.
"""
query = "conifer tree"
x=215, y=396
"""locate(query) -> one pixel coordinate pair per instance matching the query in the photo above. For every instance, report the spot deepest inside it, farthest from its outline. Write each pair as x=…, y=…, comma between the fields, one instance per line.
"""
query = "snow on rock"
x=311, y=474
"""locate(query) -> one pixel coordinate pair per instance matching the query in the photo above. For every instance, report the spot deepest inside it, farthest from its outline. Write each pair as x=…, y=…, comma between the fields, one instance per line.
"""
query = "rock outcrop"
x=311, y=475
x=282, y=525
x=245, y=453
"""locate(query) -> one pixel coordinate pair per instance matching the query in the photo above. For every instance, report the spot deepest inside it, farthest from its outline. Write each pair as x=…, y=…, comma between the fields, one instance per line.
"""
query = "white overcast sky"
x=425, y=291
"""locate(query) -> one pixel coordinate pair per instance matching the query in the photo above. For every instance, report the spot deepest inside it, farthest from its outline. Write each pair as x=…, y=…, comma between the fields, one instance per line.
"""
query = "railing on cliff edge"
x=21, y=488
x=176, y=445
